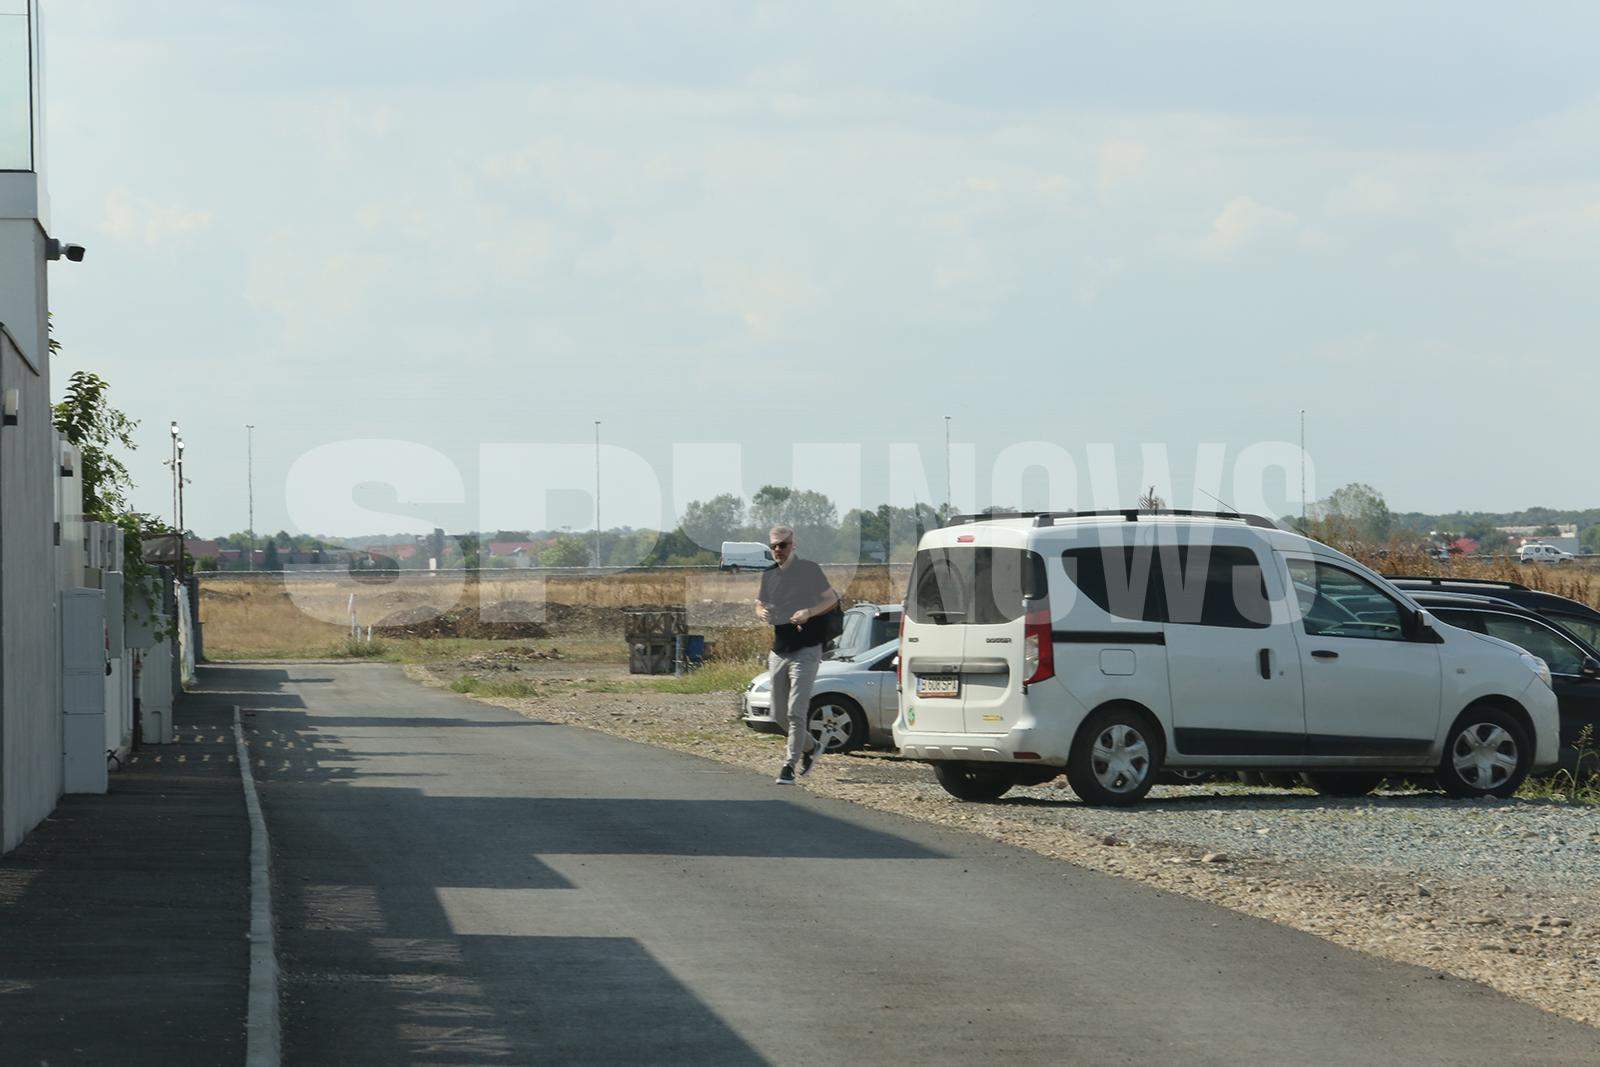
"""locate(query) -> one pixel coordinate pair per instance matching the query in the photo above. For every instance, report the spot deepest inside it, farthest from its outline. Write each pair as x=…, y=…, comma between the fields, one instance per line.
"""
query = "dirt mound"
x=508, y=619
x=585, y=619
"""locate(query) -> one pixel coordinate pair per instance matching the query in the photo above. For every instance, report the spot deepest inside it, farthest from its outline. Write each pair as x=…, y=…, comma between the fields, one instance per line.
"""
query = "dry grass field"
x=275, y=617
x=249, y=618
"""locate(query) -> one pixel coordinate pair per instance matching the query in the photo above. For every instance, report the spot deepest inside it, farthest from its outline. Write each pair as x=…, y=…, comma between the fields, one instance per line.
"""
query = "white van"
x=1113, y=645
x=746, y=556
x=1539, y=552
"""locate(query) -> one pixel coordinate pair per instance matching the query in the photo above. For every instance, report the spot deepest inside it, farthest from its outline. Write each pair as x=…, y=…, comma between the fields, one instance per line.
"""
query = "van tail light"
x=1038, y=649
x=900, y=657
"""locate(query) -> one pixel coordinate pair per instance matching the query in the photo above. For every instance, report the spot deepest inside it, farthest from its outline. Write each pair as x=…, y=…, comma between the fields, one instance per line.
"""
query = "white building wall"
x=30, y=719
x=30, y=660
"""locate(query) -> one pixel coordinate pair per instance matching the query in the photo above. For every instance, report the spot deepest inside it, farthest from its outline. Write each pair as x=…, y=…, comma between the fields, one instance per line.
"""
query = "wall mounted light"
x=13, y=403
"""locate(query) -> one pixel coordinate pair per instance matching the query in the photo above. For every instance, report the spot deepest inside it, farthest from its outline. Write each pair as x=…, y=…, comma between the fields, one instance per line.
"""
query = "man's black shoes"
x=806, y=761
x=786, y=776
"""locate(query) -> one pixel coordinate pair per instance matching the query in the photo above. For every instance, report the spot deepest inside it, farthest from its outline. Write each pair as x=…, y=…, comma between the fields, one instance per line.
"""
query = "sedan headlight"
x=760, y=685
x=1537, y=666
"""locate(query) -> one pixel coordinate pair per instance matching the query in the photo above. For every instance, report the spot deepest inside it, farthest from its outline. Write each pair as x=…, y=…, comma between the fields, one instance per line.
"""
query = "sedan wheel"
x=837, y=724
x=1485, y=755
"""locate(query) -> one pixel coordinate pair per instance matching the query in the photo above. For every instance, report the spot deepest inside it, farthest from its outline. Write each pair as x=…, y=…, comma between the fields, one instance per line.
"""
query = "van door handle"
x=1264, y=659
x=1323, y=653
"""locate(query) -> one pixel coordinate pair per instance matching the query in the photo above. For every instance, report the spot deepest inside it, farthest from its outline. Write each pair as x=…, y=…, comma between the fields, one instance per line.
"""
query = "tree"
x=471, y=550
x=1354, y=513
x=1591, y=539
x=269, y=559
x=810, y=514
x=1151, y=502
x=568, y=550
x=87, y=420
x=710, y=522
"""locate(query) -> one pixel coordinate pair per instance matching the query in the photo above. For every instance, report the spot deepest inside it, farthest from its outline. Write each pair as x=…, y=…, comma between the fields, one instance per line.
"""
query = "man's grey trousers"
x=793, y=674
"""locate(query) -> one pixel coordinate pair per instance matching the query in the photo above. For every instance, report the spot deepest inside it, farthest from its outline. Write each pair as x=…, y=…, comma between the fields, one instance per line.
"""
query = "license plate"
x=938, y=685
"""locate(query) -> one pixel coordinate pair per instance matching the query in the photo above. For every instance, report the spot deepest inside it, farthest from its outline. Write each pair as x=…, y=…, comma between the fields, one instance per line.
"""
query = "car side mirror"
x=1590, y=669
x=1419, y=627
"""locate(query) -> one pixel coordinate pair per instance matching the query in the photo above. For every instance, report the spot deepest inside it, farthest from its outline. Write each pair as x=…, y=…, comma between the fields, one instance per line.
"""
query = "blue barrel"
x=694, y=649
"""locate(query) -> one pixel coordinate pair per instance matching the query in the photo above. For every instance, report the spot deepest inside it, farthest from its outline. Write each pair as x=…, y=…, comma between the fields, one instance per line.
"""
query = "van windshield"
x=973, y=585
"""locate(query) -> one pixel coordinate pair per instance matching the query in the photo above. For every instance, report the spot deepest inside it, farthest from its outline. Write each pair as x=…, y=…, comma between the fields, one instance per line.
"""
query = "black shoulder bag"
x=833, y=620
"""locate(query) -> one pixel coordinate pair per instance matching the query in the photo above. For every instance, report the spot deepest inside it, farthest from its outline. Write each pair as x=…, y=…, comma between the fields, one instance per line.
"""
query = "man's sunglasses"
x=781, y=544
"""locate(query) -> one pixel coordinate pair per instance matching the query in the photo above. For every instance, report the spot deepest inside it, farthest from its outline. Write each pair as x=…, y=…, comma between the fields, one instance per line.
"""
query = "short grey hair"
x=782, y=533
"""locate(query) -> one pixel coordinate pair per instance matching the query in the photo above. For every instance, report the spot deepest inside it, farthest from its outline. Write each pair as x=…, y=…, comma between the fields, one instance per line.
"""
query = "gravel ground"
x=1499, y=892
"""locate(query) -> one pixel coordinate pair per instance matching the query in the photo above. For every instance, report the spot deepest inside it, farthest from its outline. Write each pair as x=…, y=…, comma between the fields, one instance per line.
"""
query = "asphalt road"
x=456, y=884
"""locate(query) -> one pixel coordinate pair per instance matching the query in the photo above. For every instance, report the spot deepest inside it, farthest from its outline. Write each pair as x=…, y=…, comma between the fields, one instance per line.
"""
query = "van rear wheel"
x=973, y=781
x=1115, y=759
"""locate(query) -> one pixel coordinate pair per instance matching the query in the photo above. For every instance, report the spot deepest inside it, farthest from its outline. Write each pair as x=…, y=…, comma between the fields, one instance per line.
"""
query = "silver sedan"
x=853, y=703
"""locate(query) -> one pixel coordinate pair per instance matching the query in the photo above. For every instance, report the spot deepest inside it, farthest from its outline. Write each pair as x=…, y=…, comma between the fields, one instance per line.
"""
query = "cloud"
x=1246, y=223
x=132, y=218
x=1120, y=161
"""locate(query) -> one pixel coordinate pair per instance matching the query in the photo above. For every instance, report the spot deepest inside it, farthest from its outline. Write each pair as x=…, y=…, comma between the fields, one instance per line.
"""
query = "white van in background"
x=746, y=556
x=1111, y=645
x=1539, y=552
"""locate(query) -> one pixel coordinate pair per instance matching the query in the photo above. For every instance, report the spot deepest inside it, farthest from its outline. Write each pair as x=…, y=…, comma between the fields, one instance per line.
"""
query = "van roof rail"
x=1048, y=518
x=1441, y=580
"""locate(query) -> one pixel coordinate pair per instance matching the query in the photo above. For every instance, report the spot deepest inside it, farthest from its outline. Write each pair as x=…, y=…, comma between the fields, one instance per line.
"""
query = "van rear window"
x=973, y=585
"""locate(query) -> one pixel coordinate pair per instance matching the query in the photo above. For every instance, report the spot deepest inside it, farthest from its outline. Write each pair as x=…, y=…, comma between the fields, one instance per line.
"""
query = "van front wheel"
x=972, y=781
x=1485, y=755
x=1115, y=759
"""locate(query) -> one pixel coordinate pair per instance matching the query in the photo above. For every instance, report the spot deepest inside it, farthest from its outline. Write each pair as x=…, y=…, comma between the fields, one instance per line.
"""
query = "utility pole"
x=180, y=508
x=177, y=492
x=597, y=493
x=173, y=463
x=250, y=489
x=949, y=505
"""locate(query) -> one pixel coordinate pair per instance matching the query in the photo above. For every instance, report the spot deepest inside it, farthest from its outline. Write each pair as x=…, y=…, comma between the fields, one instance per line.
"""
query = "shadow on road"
x=371, y=960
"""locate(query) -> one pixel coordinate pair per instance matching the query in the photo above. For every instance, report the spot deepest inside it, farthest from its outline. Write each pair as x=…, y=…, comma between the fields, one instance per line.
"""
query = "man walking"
x=794, y=596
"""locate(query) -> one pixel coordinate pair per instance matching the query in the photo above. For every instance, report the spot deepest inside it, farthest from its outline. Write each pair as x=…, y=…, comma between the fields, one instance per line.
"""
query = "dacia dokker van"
x=1113, y=645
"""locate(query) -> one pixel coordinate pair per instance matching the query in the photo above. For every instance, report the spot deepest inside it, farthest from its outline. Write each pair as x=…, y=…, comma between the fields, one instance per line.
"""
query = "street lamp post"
x=948, y=506
x=597, y=494
x=250, y=489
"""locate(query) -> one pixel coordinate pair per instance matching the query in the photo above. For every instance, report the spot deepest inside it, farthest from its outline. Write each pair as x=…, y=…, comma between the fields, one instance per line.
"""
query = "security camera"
x=55, y=249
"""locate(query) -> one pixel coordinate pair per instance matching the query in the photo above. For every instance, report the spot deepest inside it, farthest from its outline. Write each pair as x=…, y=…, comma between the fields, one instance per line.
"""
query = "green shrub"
x=352, y=648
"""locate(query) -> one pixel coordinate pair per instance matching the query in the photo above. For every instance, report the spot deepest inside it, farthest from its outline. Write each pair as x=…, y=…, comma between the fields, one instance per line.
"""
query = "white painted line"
x=263, y=1042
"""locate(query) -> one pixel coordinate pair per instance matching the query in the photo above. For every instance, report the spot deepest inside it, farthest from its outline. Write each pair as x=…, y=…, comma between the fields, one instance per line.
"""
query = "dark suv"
x=1574, y=662
x=1573, y=615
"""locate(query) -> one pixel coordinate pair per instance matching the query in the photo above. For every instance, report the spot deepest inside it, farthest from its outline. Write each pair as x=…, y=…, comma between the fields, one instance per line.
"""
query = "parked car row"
x=1124, y=648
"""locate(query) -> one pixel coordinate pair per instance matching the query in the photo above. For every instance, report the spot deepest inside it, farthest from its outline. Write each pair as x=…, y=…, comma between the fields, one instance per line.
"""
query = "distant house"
x=399, y=553
x=163, y=548
x=1463, y=546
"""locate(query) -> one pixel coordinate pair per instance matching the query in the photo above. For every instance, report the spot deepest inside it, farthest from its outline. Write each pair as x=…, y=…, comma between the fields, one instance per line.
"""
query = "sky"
x=422, y=248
